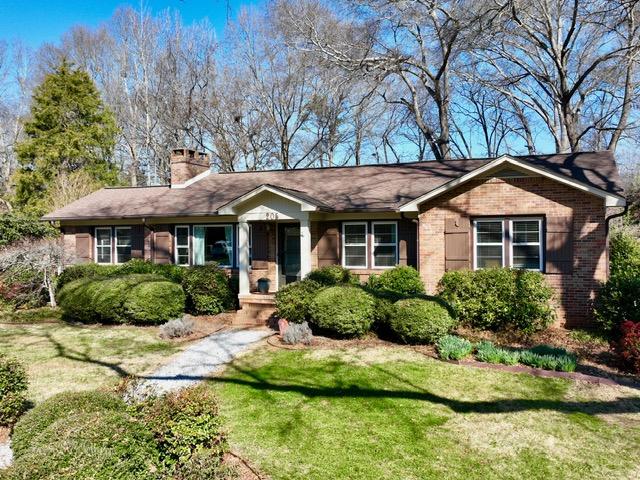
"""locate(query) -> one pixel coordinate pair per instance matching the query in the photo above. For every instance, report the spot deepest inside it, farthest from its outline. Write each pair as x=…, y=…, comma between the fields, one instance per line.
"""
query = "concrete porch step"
x=255, y=309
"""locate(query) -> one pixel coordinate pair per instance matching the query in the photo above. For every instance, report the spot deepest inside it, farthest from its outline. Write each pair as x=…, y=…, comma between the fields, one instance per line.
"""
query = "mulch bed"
x=205, y=325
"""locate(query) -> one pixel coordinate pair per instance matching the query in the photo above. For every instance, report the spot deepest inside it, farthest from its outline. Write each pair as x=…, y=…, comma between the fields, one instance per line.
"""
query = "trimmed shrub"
x=154, y=302
x=628, y=347
x=208, y=290
x=99, y=444
x=294, y=300
x=62, y=405
x=13, y=389
x=179, y=327
x=297, y=333
x=499, y=298
x=420, y=320
x=452, y=347
x=332, y=275
x=618, y=301
x=624, y=253
x=184, y=423
x=85, y=270
x=343, y=310
x=399, y=282
x=489, y=353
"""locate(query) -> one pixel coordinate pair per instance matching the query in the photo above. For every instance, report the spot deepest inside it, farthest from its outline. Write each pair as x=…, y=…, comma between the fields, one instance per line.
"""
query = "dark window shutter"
x=259, y=246
x=84, y=244
x=559, y=245
x=456, y=243
x=407, y=243
x=137, y=241
x=328, y=243
x=163, y=244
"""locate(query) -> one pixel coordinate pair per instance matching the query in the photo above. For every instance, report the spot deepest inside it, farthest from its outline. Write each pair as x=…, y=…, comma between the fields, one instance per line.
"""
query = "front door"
x=289, y=249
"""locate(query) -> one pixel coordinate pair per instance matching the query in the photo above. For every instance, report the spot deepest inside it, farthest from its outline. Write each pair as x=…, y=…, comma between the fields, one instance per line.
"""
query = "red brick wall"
x=525, y=196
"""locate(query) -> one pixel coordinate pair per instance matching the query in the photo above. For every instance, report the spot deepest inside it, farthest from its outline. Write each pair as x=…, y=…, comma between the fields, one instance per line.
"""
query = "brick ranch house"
x=542, y=212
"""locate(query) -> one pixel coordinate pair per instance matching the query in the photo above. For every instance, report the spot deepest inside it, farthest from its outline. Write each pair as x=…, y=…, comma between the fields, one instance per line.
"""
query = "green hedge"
x=208, y=290
x=332, y=275
x=399, y=282
x=293, y=301
x=499, y=298
x=13, y=390
x=419, y=320
x=343, y=310
x=127, y=299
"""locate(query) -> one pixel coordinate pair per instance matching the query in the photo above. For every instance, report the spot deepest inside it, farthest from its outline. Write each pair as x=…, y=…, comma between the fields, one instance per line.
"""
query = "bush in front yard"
x=62, y=405
x=85, y=270
x=400, y=281
x=332, y=275
x=419, y=320
x=155, y=302
x=624, y=253
x=499, y=298
x=628, y=347
x=293, y=301
x=617, y=301
x=13, y=389
x=208, y=290
x=343, y=310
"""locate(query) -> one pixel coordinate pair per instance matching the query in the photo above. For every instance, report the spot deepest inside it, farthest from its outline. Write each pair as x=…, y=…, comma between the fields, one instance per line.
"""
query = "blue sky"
x=38, y=21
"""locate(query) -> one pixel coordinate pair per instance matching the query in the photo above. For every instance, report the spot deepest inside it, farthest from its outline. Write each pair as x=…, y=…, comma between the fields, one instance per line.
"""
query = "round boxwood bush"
x=343, y=310
x=208, y=290
x=62, y=405
x=101, y=444
x=155, y=302
x=332, y=275
x=419, y=320
x=293, y=301
x=13, y=389
x=400, y=281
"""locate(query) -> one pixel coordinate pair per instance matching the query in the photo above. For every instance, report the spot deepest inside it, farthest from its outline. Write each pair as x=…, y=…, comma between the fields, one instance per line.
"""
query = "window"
x=103, y=245
x=489, y=238
x=123, y=244
x=520, y=237
x=385, y=244
x=182, y=245
x=213, y=243
x=354, y=244
x=526, y=245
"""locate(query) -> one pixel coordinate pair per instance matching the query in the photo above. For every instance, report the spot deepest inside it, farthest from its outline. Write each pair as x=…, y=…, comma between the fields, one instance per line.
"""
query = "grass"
x=61, y=357
x=391, y=413
x=588, y=336
x=34, y=315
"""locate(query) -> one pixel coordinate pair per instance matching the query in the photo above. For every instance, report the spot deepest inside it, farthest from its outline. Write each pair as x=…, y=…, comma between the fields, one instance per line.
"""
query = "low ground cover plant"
x=343, y=310
x=136, y=298
x=452, y=347
x=178, y=327
x=420, y=320
x=541, y=356
x=499, y=298
x=13, y=390
x=489, y=353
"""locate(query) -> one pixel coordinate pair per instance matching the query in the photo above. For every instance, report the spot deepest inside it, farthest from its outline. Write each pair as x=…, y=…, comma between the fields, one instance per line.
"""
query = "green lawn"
x=61, y=357
x=392, y=413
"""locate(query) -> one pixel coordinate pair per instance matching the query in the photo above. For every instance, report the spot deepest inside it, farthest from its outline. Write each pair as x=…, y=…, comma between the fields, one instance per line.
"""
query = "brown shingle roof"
x=370, y=187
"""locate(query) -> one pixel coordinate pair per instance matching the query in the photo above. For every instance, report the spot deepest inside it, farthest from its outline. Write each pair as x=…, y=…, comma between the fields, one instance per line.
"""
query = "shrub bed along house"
x=13, y=389
x=499, y=298
x=293, y=301
x=208, y=290
x=343, y=310
x=135, y=298
x=332, y=275
x=398, y=282
x=420, y=320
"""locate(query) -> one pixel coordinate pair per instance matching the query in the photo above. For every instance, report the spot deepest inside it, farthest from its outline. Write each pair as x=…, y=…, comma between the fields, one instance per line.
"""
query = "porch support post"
x=243, y=255
x=305, y=246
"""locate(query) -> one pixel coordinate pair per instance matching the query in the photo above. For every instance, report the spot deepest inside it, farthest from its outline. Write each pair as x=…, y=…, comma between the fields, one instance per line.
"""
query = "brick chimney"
x=186, y=164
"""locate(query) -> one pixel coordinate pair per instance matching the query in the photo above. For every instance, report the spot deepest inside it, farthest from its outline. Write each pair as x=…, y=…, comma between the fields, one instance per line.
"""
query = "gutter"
x=608, y=219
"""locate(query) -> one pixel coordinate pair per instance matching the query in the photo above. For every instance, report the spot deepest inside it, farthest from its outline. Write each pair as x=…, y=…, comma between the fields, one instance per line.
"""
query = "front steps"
x=255, y=309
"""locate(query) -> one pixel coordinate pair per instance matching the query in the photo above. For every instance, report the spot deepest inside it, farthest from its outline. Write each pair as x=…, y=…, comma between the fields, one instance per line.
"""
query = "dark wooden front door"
x=289, y=252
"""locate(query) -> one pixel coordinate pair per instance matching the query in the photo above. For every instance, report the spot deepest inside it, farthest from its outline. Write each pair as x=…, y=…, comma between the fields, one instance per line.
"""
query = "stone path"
x=6, y=455
x=198, y=361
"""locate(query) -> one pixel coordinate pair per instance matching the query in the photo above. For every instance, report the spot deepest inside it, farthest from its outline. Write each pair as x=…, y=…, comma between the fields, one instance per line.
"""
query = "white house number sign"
x=271, y=216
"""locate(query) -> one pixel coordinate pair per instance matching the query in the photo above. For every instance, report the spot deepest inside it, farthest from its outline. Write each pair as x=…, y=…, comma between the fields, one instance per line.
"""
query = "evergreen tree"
x=69, y=130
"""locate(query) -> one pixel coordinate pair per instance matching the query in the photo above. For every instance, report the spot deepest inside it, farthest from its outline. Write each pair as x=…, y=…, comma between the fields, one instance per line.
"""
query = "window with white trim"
x=526, y=244
x=213, y=243
x=354, y=244
x=123, y=244
x=103, y=244
x=489, y=243
x=182, y=245
x=385, y=244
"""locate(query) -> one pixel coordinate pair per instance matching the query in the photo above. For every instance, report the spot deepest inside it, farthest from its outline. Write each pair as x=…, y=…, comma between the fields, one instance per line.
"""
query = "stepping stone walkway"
x=6, y=455
x=198, y=362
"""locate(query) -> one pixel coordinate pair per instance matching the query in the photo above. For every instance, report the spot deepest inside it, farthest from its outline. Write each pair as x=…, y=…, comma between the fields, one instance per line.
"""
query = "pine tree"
x=69, y=130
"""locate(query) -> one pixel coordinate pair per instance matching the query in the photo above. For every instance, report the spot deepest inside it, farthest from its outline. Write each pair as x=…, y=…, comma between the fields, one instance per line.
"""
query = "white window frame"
x=175, y=245
x=365, y=244
x=115, y=242
x=95, y=245
x=539, y=243
x=374, y=244
x=476, y=244
x=233, y=242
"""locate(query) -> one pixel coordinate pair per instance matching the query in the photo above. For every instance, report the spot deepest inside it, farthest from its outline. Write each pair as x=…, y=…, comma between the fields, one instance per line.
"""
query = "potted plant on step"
x=263, y=285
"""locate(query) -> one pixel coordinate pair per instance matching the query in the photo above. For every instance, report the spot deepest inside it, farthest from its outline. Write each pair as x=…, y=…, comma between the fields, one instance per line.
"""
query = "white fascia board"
x=611, y=200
